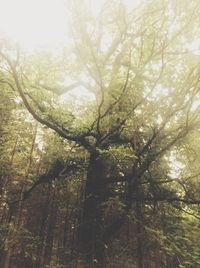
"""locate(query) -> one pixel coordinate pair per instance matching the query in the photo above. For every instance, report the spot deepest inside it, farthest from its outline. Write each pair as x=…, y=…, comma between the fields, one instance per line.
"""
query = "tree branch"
x=63, y=132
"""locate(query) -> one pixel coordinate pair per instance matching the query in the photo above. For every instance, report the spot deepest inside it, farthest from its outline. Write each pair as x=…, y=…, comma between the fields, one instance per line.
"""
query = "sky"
x=33, y=23
x=39, y=23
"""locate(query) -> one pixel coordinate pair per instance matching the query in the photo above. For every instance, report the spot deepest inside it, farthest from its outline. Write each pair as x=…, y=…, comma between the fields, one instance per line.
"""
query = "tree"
x=141, y=78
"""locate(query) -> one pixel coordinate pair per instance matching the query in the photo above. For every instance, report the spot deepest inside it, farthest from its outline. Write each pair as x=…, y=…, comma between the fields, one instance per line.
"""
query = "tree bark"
x=140, y=257
x=91, y=244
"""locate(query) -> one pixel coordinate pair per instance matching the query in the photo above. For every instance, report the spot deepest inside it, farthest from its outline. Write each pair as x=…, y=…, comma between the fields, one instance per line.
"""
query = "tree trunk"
x=91, y=244
x=140, y=257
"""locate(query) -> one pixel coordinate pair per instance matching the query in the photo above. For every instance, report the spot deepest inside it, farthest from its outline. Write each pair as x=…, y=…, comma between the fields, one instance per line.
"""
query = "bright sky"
x=34, y=23
x=39, y=23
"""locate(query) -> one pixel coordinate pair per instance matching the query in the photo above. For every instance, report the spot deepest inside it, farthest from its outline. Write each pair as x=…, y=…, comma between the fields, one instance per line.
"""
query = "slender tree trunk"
x=6, y=261
x=50, y=230
x=92, y=249
x=140, y=257
x=27, y=171
x=45, y=233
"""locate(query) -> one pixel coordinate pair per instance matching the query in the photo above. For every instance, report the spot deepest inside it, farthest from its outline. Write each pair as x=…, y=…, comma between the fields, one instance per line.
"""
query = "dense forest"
x=100, y=142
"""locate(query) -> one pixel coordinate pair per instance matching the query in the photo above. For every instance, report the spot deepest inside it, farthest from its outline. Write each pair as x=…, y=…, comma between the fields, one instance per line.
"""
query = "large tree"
x=140, y=78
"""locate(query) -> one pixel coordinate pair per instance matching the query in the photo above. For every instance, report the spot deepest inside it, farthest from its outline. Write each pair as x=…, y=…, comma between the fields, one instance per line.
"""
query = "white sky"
x=33, y=23
x=39, y=23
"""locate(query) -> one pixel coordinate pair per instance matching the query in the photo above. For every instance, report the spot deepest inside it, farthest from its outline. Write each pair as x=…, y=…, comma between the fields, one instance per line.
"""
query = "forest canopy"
x=99, y=140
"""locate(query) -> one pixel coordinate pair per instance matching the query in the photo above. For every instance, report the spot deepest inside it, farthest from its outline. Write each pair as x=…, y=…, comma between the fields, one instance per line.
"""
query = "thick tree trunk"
x=92, y=248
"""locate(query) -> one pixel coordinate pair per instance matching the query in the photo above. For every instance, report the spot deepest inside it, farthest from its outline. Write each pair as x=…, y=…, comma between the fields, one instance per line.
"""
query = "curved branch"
x=63, y=132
